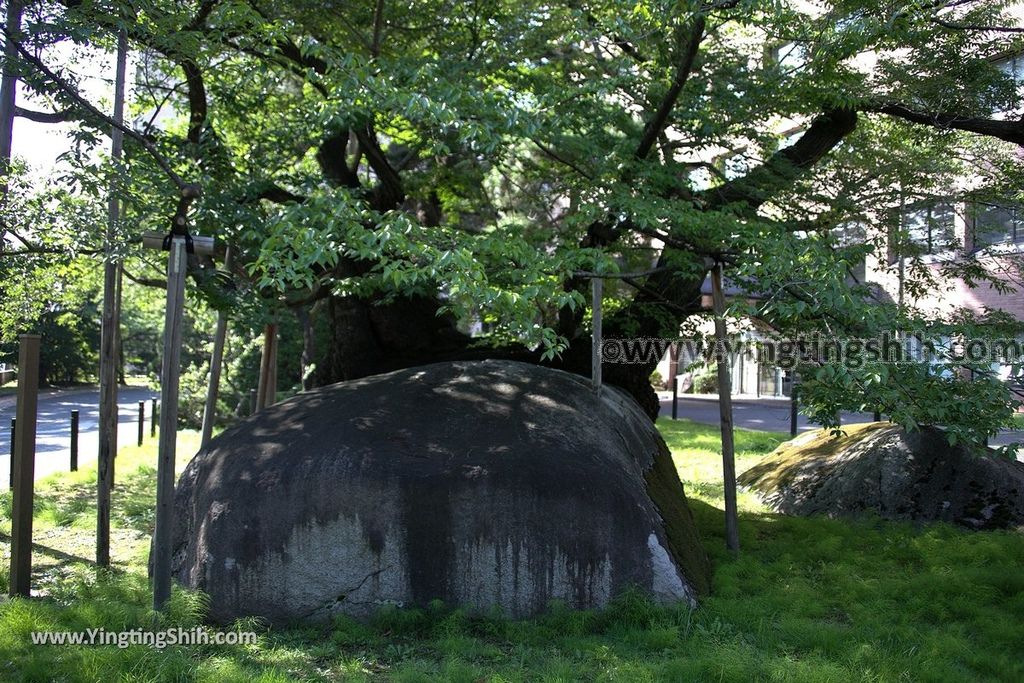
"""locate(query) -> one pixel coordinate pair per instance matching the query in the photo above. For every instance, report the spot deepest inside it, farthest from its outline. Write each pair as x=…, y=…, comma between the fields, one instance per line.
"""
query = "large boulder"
x=881, y=468
x=481, y=484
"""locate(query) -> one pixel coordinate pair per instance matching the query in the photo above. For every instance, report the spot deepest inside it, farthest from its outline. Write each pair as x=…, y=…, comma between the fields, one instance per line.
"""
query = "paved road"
x=53, y=430
x=773, y=415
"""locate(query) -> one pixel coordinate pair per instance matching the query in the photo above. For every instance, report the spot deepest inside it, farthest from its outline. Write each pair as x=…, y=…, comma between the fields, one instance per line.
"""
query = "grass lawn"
x=807, y=600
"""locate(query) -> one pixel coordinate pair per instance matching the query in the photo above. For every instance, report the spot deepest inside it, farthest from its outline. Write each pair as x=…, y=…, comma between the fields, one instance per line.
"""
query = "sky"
x=39, y=144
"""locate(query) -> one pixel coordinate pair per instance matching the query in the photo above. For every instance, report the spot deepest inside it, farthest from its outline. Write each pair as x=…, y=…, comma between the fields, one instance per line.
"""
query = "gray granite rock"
x=482, y=484
x=895, y=474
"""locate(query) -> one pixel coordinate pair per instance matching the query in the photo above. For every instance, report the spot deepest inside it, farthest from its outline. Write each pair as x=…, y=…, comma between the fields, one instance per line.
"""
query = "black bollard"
x=142, y=420
x=74, y=440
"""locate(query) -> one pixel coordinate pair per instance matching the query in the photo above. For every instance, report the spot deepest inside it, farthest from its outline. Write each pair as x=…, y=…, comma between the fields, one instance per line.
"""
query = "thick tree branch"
x=197, y=105
x=976, y=27
x=43, y=116
x=331, y=156
x=378, y=25
x=274, y=193
x=782, y=168
x=687, y=45
x=390, y=192
x=145, y=281
x=1008, y=130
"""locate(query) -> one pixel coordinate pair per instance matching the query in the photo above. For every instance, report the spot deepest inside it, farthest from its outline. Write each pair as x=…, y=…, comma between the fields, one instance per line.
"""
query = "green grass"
x=806, y=600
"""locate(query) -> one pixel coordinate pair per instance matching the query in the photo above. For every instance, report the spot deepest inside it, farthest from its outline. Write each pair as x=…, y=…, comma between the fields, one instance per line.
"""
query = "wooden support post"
x=170, y=370
x=110, y=321
x=216, y=362
x=74, y=440
x=23, y=464
x=152, y=417
x=597, y=295
x=271, y=397
x=732, y=534
x=142, y=420
x=267, y=391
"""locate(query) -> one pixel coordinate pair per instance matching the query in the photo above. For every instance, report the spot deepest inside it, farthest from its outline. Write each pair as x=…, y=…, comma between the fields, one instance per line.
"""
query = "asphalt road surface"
x=53, y=427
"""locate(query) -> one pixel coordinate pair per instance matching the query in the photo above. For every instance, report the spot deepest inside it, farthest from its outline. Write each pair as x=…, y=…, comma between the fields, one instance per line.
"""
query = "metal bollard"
x=142, y=419
x=675, y=398
x=74, y=440
x=794, y=410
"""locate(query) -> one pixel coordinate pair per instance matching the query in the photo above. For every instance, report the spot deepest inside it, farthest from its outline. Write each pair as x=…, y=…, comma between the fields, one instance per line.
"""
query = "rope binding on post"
x=179, y=224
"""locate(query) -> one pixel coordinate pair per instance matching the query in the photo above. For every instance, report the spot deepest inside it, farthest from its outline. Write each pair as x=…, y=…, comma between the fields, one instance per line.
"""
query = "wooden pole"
x=267, y=390
x=74, y=440
x=732, y=534
x=8, y=93
x=216, y=362
x=110, y=321
x=176, y=267
x=271, y=397
x=23, y=464
x=597, y=295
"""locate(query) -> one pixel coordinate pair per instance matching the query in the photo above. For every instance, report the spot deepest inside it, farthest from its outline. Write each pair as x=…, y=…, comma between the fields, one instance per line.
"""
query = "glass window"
x=1012, y=66
x=997, y=224
x=849, y=234
x=931, y=226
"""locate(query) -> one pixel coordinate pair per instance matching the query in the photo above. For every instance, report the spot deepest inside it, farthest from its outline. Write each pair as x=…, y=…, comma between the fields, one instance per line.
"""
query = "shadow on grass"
x=52, y=552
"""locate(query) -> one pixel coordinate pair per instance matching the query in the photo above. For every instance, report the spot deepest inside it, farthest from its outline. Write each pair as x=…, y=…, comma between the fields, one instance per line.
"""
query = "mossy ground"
x=810, y=449
x=806, y=600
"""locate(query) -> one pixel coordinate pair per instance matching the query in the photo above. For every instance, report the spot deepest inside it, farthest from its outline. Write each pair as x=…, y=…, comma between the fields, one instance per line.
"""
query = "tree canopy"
x=401, y=169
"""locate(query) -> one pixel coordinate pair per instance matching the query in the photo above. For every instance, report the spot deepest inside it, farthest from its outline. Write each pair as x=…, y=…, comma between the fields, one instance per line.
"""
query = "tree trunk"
x=369, y=338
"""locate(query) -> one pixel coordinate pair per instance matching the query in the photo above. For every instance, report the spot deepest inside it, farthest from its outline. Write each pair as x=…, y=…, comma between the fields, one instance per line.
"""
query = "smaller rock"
x=879, y=467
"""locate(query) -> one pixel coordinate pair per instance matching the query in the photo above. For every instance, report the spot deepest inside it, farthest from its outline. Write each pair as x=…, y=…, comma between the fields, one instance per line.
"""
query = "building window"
x=851, y=235
x=997, y=224
x=1012, y=66
x=930, y=226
